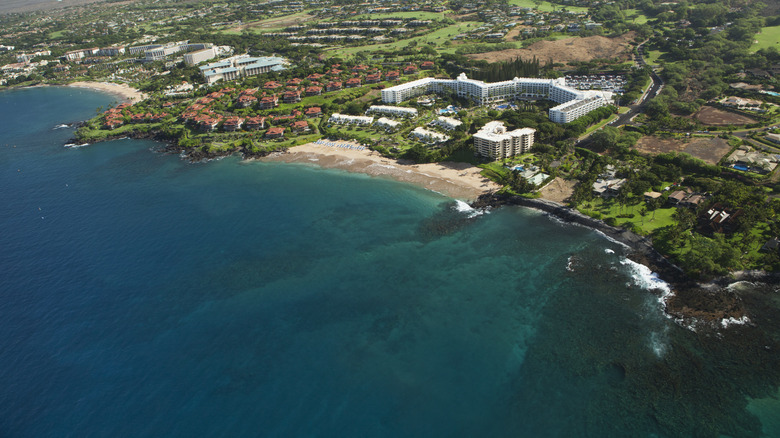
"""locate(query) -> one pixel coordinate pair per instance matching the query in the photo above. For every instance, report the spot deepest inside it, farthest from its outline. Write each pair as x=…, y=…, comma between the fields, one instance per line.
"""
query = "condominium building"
x=157, y=52
x=484, y=93
x=198, y=56
x=27, y=57
x=240, y=66
x=397, y=111
x=494, y=141
x=573, y=109
x=447, y=123
x=425, y=135
x=343, y=118
x=386, y=123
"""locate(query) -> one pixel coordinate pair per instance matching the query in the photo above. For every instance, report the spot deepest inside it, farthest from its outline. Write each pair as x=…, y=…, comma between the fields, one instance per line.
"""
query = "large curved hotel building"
x=573, y=103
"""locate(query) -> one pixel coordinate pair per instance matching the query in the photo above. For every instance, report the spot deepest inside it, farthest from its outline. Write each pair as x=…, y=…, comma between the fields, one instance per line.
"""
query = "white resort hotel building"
x=495, y=142
x=573, y=103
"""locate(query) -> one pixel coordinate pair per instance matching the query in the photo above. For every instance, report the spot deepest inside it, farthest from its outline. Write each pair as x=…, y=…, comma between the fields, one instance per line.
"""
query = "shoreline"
x=455, y=180
x=123, y=91
x=690, y=302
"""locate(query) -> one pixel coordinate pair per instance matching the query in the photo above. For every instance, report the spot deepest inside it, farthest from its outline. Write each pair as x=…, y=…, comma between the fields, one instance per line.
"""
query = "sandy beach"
x=127, y=93
x=456, y=180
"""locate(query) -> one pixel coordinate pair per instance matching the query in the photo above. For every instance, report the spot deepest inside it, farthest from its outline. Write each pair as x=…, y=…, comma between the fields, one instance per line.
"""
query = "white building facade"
x=494, y=141
x=199, y=56
x=485, y=93
x=240, y=66
x=355, y=120
x=397, y=111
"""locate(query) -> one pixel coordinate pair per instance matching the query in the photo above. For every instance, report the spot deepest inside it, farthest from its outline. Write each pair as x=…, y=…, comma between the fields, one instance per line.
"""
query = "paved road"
x=625, y=118
x=655, y=88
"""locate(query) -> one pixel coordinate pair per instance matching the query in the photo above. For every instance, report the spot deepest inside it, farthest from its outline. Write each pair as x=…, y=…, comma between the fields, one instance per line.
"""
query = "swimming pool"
x=740, y=167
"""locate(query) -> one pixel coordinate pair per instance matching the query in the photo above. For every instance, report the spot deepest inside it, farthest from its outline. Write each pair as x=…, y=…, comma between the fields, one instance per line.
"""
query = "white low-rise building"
x=447, y=123
x=355, y=120
x=485, y=93
x=397, y=111
x=425, y=135
x=494, y=141
x=384, y=122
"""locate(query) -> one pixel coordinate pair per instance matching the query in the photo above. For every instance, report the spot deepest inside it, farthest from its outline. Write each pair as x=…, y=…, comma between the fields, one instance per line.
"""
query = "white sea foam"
x=569, y=264
x=470, y=212
x=608, y=251
x=76, y=146
x=658, y=343
x=643, y=277
x=610, y=238
x=726, y=322
x=61, y=126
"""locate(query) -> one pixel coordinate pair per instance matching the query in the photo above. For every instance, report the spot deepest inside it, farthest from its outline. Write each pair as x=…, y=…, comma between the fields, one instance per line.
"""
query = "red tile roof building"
x=269, y=102
x=292, y=96
x=246, y=101
x=275, y=133
x=313, y=91
x=300, y=126
x=314, y=111
x=233, y=124
x=255, y=123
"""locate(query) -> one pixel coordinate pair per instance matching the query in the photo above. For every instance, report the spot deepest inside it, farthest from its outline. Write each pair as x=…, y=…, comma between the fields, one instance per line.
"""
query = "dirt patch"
x=716, y=117
x=708, y=149
x=275, y=23
x=559, y=190
x=568, y=50
x=510, y=36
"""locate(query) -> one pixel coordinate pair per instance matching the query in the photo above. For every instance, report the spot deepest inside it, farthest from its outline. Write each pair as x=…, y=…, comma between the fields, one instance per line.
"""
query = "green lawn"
x=768, y=37
x=57, y=34
x=598, y=125
x=545, y=6
x=415, y=15
x=635, y=16
x=653, y=56
x=437, y=37
x=647, y=223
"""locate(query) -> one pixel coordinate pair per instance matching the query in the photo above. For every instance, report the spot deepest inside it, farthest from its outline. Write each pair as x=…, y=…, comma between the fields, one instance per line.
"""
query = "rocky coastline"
x=691, y=302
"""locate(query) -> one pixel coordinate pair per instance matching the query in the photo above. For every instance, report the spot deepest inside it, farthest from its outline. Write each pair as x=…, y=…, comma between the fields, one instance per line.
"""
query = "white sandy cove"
x=457, y=180
x=127, y=93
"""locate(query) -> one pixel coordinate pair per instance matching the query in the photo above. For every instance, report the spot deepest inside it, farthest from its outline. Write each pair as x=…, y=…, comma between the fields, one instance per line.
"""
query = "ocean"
x=142, y=295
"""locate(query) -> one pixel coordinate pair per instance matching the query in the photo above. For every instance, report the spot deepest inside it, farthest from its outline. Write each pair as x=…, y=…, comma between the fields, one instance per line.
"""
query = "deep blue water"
x=141, y=295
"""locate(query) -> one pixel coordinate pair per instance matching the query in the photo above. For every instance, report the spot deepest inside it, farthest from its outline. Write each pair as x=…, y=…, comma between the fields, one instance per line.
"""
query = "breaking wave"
x=470, y=211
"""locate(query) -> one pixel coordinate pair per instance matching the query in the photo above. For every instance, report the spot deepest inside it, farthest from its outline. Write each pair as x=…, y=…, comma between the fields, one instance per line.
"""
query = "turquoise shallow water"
x=145, y=296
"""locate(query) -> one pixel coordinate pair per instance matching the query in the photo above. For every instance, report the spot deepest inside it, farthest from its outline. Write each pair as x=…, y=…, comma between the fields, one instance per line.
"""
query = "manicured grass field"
x=638, y=17
x=598, y=125
x=652, y=56
x=437, y=37
x=647, y=223
x=546, y=6
x=415, y=15
x=769, y=37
